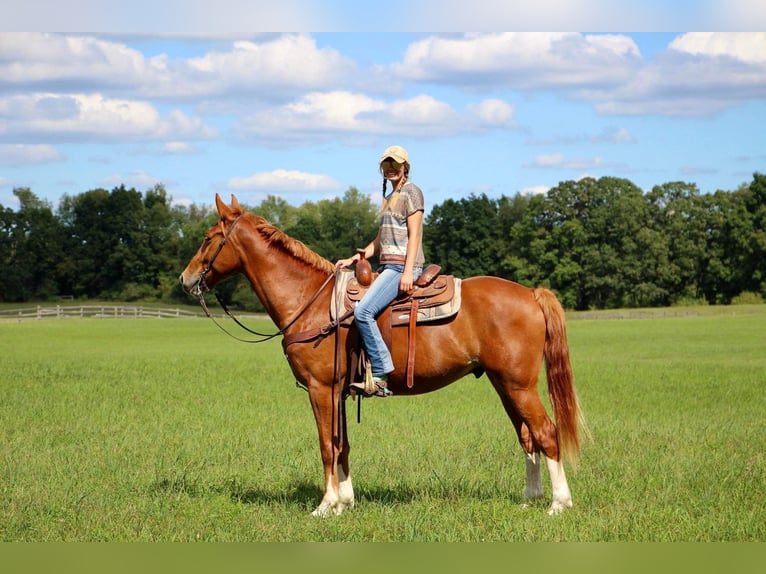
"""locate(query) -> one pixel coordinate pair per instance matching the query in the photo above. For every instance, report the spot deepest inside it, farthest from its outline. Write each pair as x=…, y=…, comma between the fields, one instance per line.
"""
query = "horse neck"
x=283, y=282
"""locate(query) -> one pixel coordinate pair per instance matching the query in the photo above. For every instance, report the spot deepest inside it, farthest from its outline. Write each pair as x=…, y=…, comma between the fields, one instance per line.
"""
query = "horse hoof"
x=325, y=510
x=557, y=507
x=321, y=511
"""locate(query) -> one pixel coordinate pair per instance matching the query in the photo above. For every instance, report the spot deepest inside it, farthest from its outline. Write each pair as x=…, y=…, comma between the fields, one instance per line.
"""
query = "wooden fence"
x=95, y=311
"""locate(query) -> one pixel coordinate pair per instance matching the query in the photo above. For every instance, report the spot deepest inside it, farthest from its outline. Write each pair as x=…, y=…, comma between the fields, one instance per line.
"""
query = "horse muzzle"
x=193, y=285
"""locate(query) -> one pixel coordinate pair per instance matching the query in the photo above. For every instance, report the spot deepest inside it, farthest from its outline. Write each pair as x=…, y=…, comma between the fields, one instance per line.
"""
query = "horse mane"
x=280, y=240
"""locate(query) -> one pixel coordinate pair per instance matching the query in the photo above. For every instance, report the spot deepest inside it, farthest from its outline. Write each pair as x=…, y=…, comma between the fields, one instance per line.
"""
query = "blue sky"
x=305, y=115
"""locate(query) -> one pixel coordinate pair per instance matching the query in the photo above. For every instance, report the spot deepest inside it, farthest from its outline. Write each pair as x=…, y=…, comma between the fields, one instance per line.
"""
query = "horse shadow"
x=306, y=495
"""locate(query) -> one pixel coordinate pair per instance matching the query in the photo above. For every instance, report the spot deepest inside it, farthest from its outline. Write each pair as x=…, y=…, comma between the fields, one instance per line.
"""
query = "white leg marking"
x=561, y=497
x=329, y=502
x=534, y=488
x=345, y=489
x=338, y=496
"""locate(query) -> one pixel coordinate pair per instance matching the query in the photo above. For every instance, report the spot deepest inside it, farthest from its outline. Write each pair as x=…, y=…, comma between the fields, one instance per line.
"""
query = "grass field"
x=167, y=430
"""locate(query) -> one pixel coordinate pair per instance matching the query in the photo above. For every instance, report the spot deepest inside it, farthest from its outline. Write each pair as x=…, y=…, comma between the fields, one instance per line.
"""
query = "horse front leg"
x=330, y=415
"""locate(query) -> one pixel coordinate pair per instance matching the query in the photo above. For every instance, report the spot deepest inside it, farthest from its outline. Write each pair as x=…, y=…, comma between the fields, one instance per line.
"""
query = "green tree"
x=737, y=249
x=89, y=243
x=465, y=236
x=277, y=211
x=335, y=228
x=680, y=217
x=149, y=250
x=32, y=249
x=124, y=244
x=584, y=239
x=754, y=271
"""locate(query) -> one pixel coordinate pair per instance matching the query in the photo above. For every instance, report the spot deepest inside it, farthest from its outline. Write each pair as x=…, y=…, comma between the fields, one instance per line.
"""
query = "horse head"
x=215, y=259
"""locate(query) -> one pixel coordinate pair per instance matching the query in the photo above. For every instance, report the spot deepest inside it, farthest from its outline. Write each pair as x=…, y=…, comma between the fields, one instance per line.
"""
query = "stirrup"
x=380, y=390
x=372, y=386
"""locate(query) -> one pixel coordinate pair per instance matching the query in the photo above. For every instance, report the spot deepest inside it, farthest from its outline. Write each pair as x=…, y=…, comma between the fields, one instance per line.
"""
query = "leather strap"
x=311, y=334
x=411, y=344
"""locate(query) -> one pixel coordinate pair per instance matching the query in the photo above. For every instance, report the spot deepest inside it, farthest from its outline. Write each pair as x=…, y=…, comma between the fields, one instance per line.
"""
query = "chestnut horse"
x=502, y=329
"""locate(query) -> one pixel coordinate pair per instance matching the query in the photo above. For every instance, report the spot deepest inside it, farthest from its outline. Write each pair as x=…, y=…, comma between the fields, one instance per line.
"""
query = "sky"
x=221, y=106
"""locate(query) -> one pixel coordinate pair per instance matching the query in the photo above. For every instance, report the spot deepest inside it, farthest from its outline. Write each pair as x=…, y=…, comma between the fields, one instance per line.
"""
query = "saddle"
x=434, y=296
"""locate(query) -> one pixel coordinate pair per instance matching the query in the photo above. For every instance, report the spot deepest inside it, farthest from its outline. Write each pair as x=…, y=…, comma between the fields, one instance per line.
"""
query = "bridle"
x=201, y=287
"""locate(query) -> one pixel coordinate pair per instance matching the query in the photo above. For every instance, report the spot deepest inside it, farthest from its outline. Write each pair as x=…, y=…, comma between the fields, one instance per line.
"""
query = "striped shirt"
x=393, y=225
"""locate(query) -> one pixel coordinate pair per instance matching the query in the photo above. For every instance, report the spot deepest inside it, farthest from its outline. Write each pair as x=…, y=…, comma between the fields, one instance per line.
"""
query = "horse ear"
x=223, y=209
x=234, y=203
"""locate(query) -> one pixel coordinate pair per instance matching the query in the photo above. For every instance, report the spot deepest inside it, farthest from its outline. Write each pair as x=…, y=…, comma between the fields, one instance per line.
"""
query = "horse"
x=502, y=329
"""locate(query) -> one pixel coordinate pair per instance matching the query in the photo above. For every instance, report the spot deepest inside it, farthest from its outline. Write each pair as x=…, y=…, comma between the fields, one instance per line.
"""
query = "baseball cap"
x=397, y=153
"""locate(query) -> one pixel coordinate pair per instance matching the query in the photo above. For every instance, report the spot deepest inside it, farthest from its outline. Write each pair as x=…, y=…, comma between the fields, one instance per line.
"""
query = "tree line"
x=599, y=243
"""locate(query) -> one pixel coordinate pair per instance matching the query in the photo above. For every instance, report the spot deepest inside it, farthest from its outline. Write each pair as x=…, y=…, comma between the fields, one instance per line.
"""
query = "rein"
x=267, y=336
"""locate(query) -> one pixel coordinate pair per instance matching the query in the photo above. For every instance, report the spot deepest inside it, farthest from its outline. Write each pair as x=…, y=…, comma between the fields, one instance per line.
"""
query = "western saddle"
x=431, y=292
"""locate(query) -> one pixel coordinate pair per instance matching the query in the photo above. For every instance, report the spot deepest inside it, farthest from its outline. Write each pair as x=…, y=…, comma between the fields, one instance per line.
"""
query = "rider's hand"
x=348, y=262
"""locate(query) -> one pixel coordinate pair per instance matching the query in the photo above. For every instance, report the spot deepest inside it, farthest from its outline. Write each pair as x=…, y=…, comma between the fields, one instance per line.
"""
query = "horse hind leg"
x=543, y=433
x=534, y=485
x=561, y=498
x=537, y=436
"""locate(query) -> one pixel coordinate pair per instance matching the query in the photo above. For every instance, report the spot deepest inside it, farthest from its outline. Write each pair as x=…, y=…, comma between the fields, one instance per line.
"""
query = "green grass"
x=167, y=430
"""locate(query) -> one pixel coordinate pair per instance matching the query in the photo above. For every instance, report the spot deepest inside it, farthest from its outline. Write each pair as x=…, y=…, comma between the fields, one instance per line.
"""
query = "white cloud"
x=494, y=113
x=287, y=62
x=699, y=74
x=319, y=115
x=522, y=60
x=421, y=112
x=78, y=63
x=174, y=148
x=28, y=154
x=83, y=116
x=281, y=180
x=74, y=60
x=749, y=47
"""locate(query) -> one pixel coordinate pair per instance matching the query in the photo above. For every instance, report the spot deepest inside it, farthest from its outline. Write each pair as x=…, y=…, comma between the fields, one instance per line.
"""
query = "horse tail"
x=561, y=389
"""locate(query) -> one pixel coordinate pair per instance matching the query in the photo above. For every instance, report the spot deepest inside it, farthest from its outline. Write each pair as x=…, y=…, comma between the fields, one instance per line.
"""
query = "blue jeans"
x=382, y=291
